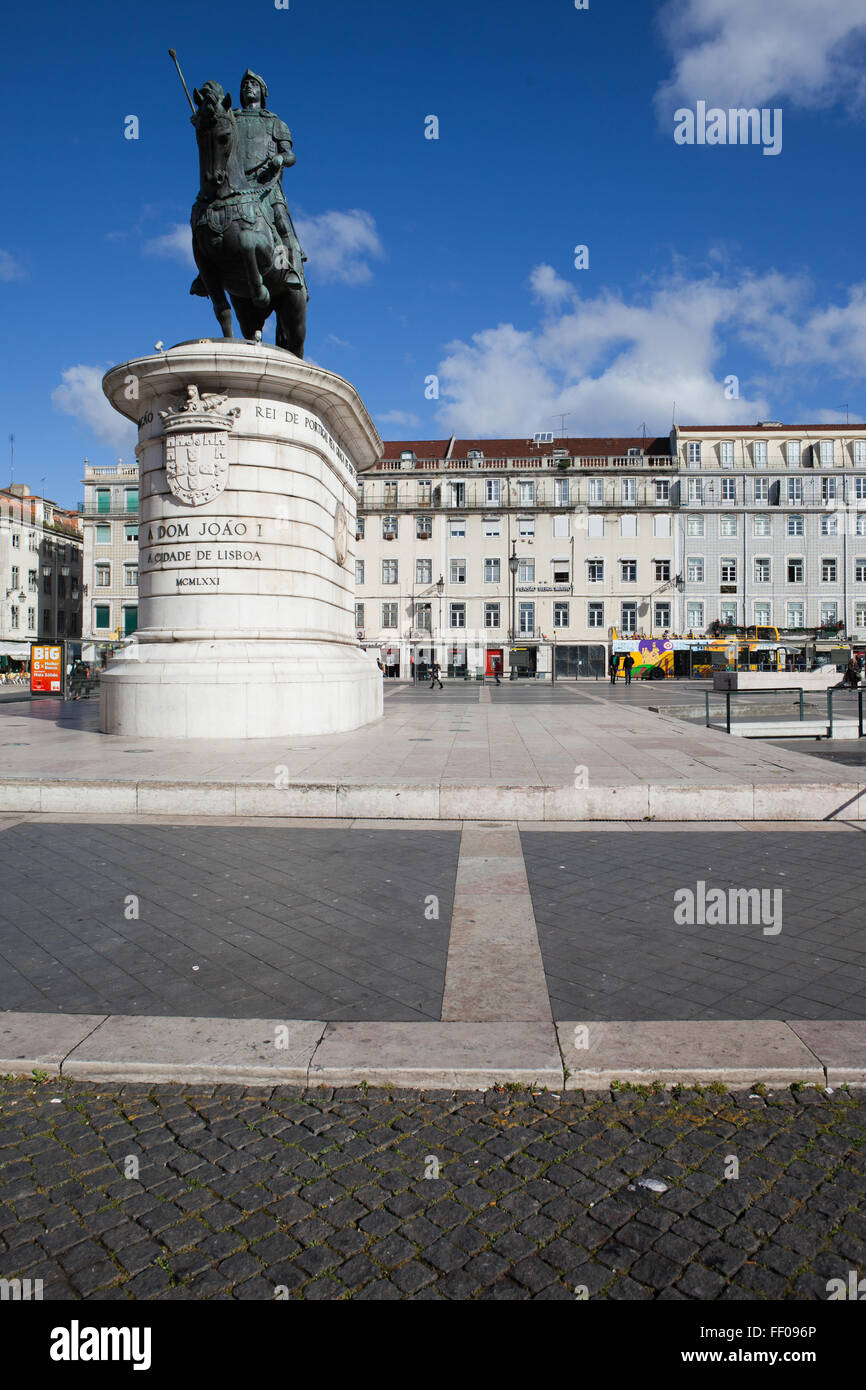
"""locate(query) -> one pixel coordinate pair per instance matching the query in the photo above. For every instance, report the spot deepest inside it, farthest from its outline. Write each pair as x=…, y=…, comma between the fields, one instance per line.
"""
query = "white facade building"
x=110, y=522
x=40, y=571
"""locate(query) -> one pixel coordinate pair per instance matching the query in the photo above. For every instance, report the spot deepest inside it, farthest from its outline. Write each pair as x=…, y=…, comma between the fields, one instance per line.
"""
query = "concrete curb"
x=431, y=1056
x=668, y=801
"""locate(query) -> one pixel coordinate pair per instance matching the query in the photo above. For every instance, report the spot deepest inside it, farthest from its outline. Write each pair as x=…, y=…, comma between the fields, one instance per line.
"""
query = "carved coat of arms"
x=195, y=435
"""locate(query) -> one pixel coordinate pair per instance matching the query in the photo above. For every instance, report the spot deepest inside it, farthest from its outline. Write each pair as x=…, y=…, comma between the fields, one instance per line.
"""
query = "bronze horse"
x=236, y=248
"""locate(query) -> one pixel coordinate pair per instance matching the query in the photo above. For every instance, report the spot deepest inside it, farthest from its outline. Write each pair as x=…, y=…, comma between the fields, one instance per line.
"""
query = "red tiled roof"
x=436, y=449
x=767, y=425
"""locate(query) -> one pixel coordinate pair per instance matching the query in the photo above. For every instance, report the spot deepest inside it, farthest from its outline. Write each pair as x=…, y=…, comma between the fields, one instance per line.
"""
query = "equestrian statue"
x=243, y=240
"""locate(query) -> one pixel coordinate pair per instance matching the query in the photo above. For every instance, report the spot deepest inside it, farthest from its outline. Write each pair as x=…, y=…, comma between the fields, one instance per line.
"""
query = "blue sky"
x=454, y=256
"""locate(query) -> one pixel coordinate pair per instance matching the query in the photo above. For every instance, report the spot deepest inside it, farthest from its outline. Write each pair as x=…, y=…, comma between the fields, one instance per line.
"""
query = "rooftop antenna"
x=643, y=428
x=842, y=407
x=11, y=458
x=562, y=415
x=674, y=415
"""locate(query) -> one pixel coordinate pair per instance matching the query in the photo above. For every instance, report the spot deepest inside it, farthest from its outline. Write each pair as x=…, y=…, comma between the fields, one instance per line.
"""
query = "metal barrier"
x=781, y=690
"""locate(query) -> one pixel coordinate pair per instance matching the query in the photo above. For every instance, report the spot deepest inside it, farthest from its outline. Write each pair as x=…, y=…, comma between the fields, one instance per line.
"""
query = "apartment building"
x=40, y=571
x=771, y=526
x=110, y=524
x=514, y=549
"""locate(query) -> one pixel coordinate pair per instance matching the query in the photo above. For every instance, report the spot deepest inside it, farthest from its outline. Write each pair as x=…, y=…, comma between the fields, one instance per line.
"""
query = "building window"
x=457, y=494
x=458, y=614
x=796, y=615
x=46, y=620
x=560, y=526
x=663, y=615
x=795, y=525
x=860, y=570
x=359, y=571
x=103, y=576
x=561, y=492
x=628, y=491
x=389, y=571
x=390, y=495
x=595, y=615
x=491, y=615
x=31, y=617
x=526, y=619
x=694, y=526
x=491, y=527
x=628, y=618
x=491, y=571
x=595, y=494
x=628, y=571
x=526, y=527
x=359, y=615
x=457, y=528
x=860, y=615
x=103, y=534
x=792, y=453
x=828, y=569
x=15, y=576
x=425, y=494
x=130, y=618
x=728, y=571
x=103, y=616
x=795, y=491
x=829, y=522
x=595, y=571
x=696, y=490
x=423, y=571
x=828, y=489
x=729, y=489
x=46, y=581
x=762, y=614
x=16, y=540
x=860, y=525
x=762, y=570
x=759, y=453
x=662, y=525
x=727, y=525
x=130, y=575
x=662, y=571
x=359, y=528
x=762, y=526
x=728, y=613
x=726, y=453
x=628, y=525
x=14, y=614
x=423, y=528
x=695, y=569
x=694, y=455
x=860, y=452
x=424, y=617
x=457, y=571
x=762, y=489
x=32, y=581
x=560, y=614
x=829, y=612
x=828, y=451
x=526, y=494
x=526, y=572
x=695, y=615
x=562, y=571
x=132, y=499
x=796, y=569
x=663, y=489
x=389, y=615
x=389, y=528
x=103, y=499
x=491, y=491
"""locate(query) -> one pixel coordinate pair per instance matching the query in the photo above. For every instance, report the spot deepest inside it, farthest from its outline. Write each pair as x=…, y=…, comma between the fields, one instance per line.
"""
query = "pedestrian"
x=626, y=666
x=379, y=664
x=852, y=674
x=614, y=662
x=495, y=663
x=435, y=675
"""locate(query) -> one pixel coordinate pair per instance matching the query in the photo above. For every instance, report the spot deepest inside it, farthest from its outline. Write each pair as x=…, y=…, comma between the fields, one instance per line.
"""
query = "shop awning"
x=20, y=650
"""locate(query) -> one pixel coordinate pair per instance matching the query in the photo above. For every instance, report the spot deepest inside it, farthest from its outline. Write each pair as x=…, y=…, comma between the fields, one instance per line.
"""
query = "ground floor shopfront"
x=411, y=660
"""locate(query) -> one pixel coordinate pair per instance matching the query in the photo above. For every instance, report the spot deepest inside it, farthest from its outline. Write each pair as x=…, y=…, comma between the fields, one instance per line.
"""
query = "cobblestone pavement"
x=230, y=922
x=323, y=1195
x=604, y=907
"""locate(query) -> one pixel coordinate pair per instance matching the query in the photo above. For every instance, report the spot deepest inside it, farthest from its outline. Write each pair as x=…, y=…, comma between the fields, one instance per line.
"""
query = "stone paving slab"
x=466, y=1056
x=840, y=1046
x=734, y=1053
x=40, y=1042
x=555, y=754
x=364, y=1194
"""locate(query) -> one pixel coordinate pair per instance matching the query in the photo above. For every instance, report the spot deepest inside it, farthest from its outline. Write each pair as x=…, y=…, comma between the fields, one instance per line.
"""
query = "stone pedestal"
x=248, y=462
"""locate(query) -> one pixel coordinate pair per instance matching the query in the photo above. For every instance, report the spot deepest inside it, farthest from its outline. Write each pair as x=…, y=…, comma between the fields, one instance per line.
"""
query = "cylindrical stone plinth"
x=248, y=462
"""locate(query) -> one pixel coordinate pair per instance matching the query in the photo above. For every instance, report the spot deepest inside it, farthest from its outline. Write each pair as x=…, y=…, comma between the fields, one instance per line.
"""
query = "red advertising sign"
x=46, y=669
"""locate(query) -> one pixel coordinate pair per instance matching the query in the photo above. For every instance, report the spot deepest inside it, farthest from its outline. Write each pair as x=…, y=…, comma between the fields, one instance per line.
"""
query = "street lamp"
x=513, y=565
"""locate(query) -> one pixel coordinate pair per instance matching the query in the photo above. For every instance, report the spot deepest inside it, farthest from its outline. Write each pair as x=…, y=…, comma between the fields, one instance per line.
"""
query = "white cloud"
x=762, y=52
x=81, y=396
x=10, y=269
x=176, y=244
x=614, y=363
x=339, y=245
x=398, y=417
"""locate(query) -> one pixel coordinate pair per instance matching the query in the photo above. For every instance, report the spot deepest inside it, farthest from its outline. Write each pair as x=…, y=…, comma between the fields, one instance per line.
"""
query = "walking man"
x=627, y=665
x=614, y=661
x=495, y=664
x=435, y=676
